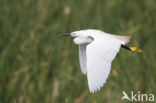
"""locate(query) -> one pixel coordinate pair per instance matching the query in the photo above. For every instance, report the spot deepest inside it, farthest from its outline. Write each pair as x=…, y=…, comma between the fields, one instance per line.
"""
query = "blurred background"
x=37, y=66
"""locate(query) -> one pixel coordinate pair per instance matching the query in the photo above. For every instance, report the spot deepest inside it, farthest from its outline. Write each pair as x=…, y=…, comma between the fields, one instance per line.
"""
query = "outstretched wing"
x=100, y=54
x=82, y=58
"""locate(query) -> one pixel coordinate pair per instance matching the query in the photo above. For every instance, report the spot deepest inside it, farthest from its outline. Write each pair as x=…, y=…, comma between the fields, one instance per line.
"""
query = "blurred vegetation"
x=37, y=66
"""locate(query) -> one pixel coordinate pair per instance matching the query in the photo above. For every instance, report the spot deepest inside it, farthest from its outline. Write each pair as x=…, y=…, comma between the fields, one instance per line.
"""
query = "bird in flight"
x=97, y=50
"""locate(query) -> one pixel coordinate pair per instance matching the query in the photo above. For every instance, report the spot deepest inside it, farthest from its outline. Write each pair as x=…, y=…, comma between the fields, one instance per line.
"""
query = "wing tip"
x=95, y=89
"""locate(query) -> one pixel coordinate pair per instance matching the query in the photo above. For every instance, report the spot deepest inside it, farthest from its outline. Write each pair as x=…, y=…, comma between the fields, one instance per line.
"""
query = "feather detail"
x=125, y=39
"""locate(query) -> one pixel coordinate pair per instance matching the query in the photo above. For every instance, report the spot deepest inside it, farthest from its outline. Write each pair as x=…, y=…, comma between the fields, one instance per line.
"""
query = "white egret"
x=97, y=50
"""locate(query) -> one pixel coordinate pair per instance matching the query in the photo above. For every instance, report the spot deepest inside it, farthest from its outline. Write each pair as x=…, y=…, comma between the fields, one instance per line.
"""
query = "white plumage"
x=97, y=50
x=100, y=54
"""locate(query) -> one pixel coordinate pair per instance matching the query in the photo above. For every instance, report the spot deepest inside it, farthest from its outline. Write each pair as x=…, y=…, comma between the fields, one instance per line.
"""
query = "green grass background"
x=37, y=66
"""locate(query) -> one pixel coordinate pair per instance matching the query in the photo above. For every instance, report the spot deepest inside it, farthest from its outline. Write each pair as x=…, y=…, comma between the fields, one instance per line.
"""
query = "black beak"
x=64, y=35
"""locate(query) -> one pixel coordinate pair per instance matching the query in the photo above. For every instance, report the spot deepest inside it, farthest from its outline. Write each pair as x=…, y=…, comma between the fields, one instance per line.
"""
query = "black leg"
x=126, y=47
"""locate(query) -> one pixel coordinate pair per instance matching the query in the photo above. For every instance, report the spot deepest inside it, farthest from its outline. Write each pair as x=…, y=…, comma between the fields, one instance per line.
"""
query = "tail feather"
x=125, y=39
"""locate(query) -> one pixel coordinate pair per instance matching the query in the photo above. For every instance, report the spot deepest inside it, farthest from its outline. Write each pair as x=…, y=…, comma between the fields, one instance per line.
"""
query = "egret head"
x=80, y=37
x=74, y=34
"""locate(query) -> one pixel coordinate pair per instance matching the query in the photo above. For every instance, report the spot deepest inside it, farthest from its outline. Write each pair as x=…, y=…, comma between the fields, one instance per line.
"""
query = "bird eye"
x=74, y=34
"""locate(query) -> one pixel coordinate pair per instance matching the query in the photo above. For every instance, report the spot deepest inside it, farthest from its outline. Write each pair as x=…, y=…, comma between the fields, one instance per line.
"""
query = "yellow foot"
x=136, y=49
